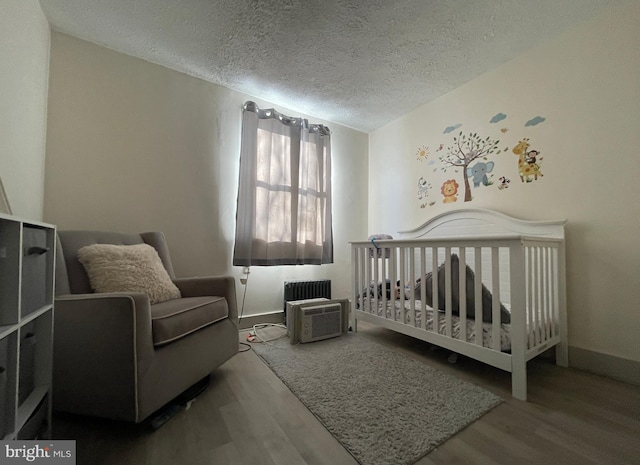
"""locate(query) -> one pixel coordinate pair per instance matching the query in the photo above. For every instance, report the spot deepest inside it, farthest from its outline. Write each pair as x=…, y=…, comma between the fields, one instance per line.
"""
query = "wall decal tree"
x=465, y=150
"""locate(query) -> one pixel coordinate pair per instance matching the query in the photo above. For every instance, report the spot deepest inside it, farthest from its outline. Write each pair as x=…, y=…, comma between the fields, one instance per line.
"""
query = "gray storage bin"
x=4, y=395
x=35, y=254
x=26, y=379
x=36, y=423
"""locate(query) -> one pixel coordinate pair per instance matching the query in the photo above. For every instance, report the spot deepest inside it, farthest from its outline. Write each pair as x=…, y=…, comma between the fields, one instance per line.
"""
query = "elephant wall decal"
x=479, y=172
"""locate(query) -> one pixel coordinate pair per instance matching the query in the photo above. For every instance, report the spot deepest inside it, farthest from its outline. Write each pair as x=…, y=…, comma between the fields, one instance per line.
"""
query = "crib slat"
x=536, y=296
x=544, y=268
x=495, y=301
x=477, y=315
x=555, y=303
x=423, y=289
x=356, y=290
x=541, y=297
x=462, y=283
x=363, y=285
x=392, y=279
x=380, y=281
x=412, y=279
x=401, y=279
x=373, y=299
x=434, y=289
x=363, y=272
x=529, y=292
x=447, y=291
x=376, y=278
x=553, y=307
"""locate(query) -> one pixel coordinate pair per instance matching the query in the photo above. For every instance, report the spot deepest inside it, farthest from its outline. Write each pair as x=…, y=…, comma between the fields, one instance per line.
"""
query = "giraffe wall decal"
x=527, y=166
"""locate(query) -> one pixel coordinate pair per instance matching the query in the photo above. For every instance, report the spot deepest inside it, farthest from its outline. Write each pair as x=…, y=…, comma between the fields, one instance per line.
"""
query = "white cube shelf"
x=27, y=264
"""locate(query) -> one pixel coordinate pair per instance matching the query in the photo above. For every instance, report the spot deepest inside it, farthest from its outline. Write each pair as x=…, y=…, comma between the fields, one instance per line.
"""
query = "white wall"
x=24, y=64
x=134, y=146
x=585, y=83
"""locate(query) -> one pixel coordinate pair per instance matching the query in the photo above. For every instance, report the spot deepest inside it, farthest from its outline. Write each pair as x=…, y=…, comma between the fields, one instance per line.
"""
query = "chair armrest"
x=100, y=319
x=110, y=336
x=223, y=286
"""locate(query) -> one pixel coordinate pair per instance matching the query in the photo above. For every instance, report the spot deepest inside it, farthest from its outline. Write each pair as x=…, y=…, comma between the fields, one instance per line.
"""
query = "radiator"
x=301, y=290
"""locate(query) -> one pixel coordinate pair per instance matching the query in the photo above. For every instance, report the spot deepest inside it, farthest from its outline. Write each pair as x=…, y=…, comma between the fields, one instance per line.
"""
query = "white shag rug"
x=384, y=407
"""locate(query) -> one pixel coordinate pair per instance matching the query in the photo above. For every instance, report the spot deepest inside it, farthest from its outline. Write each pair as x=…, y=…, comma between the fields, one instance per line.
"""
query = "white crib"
x=522, y=262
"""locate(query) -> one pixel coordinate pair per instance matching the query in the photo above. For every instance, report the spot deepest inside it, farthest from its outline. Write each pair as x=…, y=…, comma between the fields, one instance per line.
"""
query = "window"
x=284, y=194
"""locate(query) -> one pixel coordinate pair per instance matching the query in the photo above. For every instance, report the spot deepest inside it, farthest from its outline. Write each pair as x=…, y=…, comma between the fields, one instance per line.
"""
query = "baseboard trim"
x=248, y=321
x=617, y=368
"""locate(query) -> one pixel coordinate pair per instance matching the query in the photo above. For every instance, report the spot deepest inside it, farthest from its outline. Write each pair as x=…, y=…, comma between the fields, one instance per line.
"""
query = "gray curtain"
x=284, y=196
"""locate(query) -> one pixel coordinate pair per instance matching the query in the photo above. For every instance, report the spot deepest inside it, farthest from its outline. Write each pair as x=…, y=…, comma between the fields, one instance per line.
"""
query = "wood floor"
x=247, y=416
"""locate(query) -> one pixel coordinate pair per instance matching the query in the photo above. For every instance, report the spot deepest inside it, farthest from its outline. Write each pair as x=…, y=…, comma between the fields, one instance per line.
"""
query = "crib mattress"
x=403, y=313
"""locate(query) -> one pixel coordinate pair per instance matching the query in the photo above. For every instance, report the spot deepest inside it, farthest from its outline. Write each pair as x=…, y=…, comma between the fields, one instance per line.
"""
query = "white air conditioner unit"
x=316, y=319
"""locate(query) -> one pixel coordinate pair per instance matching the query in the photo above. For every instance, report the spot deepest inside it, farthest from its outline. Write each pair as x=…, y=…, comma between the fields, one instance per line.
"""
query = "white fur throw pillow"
x=128, y=268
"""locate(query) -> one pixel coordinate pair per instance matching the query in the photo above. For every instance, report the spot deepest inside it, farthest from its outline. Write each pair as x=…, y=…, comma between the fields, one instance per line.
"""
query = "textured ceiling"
x=359, y=63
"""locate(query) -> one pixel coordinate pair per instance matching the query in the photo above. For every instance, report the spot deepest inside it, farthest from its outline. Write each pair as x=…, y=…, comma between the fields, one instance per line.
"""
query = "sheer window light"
x=284, y=193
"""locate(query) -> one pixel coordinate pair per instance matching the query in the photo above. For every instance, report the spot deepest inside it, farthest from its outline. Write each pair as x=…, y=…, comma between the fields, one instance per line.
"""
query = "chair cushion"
x=174, y=319
x=127, y=268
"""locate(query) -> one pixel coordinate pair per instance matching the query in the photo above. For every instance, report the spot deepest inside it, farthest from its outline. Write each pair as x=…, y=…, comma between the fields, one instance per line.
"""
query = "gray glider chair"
x=118, y=356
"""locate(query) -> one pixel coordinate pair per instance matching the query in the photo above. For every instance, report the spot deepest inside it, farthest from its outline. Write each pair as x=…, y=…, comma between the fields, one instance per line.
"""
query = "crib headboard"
x=485, y=223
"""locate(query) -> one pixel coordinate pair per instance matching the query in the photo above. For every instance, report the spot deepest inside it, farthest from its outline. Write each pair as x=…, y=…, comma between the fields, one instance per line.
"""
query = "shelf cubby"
x=27, y=267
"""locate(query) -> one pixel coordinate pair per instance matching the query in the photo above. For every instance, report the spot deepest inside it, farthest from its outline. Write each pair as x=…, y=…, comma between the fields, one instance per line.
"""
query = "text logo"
x=38, y=452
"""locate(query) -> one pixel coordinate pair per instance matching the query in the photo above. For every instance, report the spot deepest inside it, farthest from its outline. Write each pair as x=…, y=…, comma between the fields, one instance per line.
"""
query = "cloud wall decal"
x=449, y=129
x=497, y=118
x=535, y=121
